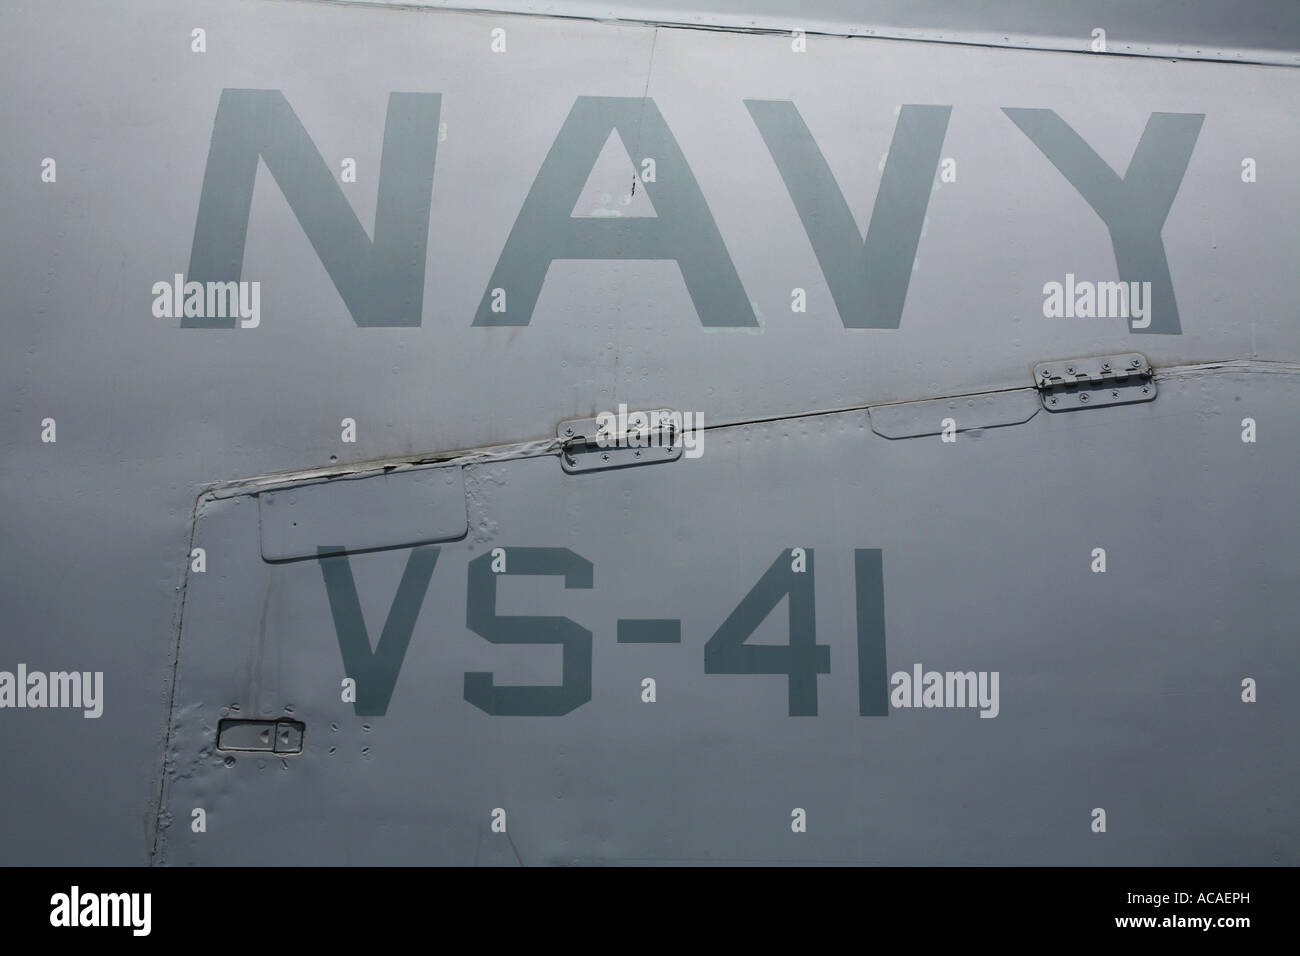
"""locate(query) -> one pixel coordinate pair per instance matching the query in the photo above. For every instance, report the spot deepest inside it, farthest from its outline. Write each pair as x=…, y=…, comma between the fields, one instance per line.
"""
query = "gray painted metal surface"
x=1259, y=31
x=1119, y=690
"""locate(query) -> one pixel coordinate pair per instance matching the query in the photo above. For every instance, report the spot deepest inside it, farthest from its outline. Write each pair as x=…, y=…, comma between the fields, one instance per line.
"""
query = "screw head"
x=1105, y=366
x=1051, y=401
x=1114, y=394
x=604, y=457
x=1069, y=370
x=1146, y=391
x=1134, y=363
x=1083, y=396
x=1046, y=373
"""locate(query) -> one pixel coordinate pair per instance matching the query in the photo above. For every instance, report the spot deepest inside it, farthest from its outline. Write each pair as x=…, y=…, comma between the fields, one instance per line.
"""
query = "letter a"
x=682, y=229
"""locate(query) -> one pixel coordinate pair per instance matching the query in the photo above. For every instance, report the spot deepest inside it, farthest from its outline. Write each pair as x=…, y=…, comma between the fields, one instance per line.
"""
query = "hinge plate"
x=1070, y=384
x=620, y=441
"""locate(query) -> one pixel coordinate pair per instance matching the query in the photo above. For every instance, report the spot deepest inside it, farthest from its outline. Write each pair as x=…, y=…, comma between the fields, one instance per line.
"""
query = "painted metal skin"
x=1119, y=690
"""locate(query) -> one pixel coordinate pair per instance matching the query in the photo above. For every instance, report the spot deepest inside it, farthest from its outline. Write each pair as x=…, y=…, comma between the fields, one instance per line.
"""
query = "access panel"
x=1039, y=639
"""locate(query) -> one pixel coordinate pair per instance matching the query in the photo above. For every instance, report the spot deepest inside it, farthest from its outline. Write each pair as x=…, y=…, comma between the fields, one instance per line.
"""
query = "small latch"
x=620, y=440
x=1089, y=382
x=266, y=736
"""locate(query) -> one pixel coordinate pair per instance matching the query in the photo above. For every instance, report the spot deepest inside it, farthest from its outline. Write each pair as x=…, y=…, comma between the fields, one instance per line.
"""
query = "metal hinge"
x=620, y=440
x=1088, y=382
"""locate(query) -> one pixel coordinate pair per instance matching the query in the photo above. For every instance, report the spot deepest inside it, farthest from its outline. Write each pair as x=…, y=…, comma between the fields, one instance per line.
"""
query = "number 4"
x=801, y=660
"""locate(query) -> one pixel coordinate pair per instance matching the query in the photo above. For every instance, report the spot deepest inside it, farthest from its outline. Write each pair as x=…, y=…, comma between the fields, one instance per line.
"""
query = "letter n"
x=381, y=282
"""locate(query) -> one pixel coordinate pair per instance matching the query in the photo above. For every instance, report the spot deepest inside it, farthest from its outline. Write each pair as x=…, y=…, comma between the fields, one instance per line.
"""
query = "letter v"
x=868, y=278
x=375, y=672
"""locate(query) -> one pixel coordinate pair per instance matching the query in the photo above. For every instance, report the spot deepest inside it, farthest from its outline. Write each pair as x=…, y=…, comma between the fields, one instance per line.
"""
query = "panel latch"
x=620, y=440
x=281, y=736
x=1071, y=384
